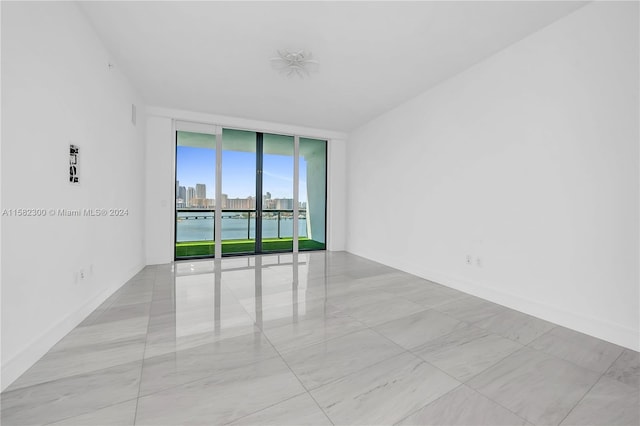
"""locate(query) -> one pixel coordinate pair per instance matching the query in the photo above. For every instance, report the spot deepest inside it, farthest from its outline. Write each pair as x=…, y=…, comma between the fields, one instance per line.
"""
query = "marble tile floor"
x=318, y=338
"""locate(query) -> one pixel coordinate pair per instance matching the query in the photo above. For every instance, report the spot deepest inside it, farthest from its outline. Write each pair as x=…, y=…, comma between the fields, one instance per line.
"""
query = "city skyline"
x=197, y=166
x=197, y=197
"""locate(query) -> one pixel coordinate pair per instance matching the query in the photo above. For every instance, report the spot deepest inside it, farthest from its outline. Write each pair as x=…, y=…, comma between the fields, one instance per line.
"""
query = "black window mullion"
x=259, y=164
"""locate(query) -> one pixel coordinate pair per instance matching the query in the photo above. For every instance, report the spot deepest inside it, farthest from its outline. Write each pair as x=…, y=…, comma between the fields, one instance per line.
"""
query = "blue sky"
x=197, y=165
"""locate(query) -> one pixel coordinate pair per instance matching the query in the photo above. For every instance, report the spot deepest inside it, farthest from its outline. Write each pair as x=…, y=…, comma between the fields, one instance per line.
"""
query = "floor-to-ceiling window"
x=270, y=194
x=277, y=192
x=313, y=193
x=239, y=192
x=195, y=188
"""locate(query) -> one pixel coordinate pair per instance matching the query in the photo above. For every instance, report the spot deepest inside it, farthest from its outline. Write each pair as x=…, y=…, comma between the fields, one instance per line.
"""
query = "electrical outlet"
x=479, y=262
x=82, y=274
x=469, y=262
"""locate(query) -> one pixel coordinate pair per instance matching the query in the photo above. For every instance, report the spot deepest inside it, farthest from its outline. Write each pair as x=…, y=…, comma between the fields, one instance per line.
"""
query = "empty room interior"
x=320, y=213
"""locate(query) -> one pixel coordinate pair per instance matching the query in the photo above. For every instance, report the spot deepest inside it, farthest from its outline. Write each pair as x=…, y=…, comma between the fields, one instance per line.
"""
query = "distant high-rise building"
x=198, y=202
x=201, y=190
x=236, y=203
x=284, y=203
x=180, y=195
x=191, y=194
x=248, y=203
x=269, y=204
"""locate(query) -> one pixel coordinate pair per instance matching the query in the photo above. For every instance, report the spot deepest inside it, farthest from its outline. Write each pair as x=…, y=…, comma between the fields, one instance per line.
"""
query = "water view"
x=193, y=226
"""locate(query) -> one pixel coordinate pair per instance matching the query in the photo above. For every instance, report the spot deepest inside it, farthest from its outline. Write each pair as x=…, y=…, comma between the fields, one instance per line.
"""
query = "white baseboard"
x=158, y=260
x=596, y=327
x=18, y=364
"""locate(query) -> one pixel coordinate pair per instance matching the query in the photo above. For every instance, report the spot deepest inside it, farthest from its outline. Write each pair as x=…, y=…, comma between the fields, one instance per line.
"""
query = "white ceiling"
x=214, y=57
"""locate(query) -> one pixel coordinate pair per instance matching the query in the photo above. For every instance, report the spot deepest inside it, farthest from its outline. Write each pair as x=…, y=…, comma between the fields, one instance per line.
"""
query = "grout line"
x=289, y=367
x=161, y=274
x=294, y=374
x=462, y=383
x=89, y=412
x=332, y=381
x=360, y=328
x=263, y=409
x=56, y=379
x=385, y=337
x=437, y=368
x=298, y=378
x=466, y=383
x=495, y=363
x=429, y=403
x=531, y=349
x=205, y=377
x=580, y=400
x=613, y=363
x=471, y=323
x=569, y=361
x=109, y=305
x=408, y=351
x=144, y=352
x=253, y=332
x=89, y=372
x=79, y=326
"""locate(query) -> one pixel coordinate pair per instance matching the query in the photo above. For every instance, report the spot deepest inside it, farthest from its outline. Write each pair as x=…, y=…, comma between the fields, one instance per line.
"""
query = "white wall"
x=337, y=190
x=57, y=89
x=160, y=178
x=160, y=192
x=529, y=161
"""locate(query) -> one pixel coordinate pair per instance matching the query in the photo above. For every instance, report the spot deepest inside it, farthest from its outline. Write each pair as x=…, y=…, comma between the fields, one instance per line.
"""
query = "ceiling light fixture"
x=294, y=63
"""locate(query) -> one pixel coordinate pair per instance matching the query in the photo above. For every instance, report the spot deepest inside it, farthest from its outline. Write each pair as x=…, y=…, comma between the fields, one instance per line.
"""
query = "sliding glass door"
x=238, y=198
x=270, y=197
x=195, y=188
x=277, y=192
x=313, y=194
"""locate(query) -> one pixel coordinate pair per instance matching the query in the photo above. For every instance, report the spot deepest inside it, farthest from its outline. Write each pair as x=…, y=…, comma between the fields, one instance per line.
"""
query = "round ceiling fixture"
x=298, y=63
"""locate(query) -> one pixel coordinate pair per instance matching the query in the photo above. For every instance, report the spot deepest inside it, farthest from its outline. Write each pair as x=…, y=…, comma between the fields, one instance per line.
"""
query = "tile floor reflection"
x=318, y=338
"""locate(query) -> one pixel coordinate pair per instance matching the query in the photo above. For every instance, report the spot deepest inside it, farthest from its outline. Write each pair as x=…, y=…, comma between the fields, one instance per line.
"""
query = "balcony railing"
x=199, y=224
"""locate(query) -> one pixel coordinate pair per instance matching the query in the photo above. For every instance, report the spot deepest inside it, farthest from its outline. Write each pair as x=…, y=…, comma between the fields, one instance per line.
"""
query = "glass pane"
x=277, y=189
x=238, y=201
x=313, y=194
x=195, y=183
